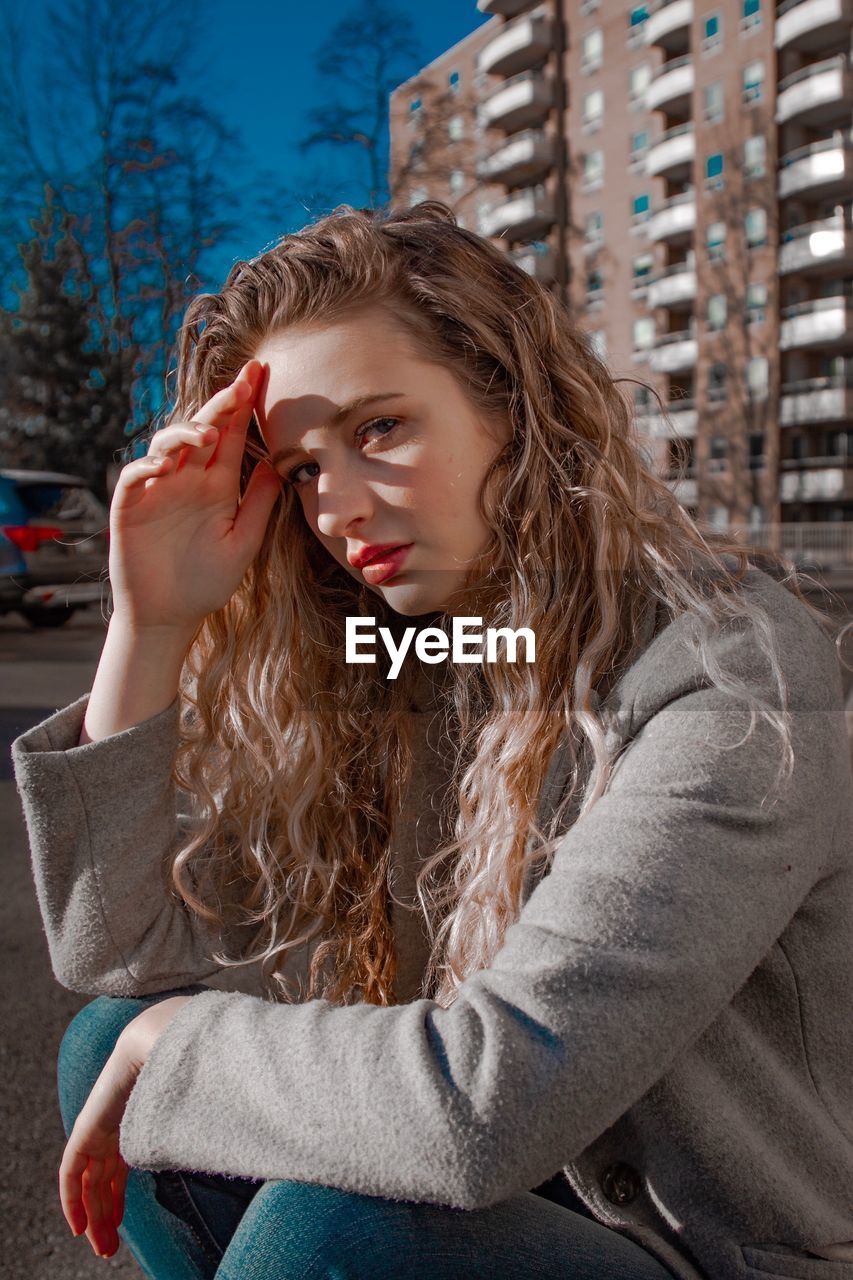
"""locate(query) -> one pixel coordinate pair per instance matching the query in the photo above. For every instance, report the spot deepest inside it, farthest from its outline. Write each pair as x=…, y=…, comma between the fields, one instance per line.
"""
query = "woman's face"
x=403, y=470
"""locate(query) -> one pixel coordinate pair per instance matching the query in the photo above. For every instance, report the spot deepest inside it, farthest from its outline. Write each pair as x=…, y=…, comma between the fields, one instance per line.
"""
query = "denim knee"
x=89, y=1039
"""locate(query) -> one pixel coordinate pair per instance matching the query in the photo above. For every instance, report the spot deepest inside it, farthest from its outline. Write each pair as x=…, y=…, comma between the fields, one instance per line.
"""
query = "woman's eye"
x=368, y=426
x=360, y=434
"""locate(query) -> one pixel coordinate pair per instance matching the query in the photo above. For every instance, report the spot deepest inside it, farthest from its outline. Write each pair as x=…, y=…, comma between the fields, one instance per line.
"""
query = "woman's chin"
x=418, y=593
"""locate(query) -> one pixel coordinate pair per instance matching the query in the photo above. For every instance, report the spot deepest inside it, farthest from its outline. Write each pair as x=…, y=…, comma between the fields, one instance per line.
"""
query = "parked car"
x=54, y=546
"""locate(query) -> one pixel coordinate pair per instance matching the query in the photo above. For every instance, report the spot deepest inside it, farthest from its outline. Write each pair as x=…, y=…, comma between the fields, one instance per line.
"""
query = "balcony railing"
x=823, y=544
x=827, y=383
x=839, y=138
x=683, y=60
x=813, y=69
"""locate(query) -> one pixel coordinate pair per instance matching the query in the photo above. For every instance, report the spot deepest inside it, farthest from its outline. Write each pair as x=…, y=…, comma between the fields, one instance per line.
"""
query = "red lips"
x=358, y=559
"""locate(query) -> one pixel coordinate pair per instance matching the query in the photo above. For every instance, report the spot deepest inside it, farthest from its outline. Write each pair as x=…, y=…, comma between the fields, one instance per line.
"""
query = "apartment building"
x=680, y=174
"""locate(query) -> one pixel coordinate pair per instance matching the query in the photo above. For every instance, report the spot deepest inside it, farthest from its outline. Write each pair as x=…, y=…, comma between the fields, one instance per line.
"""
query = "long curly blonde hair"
x=296, y=764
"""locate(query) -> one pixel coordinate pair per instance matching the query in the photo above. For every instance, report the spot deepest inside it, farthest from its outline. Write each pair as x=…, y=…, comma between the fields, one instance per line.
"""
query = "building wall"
x=748, y=342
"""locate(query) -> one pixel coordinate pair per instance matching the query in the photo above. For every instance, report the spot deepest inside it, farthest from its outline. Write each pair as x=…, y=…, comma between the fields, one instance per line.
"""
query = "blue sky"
x=257, y=69
x=262, y=71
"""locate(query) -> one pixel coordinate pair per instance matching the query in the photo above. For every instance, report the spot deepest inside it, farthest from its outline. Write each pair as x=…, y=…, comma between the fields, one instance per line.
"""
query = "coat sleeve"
x=659, y=904
x=101, y=819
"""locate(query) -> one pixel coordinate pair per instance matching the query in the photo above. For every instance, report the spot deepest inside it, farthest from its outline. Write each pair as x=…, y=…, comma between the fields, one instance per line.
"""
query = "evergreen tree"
x=56, y=411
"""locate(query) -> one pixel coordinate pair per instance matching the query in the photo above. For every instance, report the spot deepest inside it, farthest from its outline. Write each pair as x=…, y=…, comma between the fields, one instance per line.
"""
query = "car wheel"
x=43, y=616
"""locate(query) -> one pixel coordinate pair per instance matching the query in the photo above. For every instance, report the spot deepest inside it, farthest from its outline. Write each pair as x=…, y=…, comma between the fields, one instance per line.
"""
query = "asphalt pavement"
x=40, y=671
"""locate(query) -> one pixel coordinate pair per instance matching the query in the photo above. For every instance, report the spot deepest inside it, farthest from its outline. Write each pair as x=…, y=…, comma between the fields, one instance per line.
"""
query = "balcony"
x=823, y=246
x=681, y=421
x=823, y=544
x=819, y=168
x=506, y=8
x=518, y=46
x=674, y=220
x=672, y=153
x=523, y=215
x=812, y=25
x=674, y=352
x=675, y=285
x=816, y=95
x=812, y=480
x=668, y=24
x=816, y=400
x=522, y=158
x=539, y=263
x=519, y=103
x=817, y=322
x=671, y=86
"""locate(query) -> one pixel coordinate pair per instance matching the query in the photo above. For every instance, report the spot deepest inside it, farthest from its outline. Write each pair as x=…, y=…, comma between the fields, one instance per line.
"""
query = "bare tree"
x=365, y=56
x=744, y=201
x=137, y=163
x=440, y=138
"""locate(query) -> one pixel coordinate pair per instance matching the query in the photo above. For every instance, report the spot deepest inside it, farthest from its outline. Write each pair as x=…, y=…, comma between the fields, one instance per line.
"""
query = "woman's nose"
x=342, y=500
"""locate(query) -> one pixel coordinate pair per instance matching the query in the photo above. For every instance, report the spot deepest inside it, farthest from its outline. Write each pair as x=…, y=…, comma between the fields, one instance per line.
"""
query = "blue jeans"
x=185, y=1225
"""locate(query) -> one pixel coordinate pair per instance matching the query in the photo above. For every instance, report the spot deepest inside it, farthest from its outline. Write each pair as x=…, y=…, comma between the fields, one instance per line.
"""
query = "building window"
x=598, y=342
x=719, y=516
x=719, y=453
x=753, y=82
x=717, y=383
x=457, y=180
x=642, y=396
x=453, y=81
x=712, y=31
x=714, y=108
x=639, y=144
x=755, y=224
x=644, y=333
x=588, y=6
x=716, y=311
x=639, y=79
x=751, y=14
x=418, y=194
x=594, y=227
x=756, y=303
x=714, y=164
x=640, y=208
x=593, y=170
x=456, y=128
x=641, y=266
x=757, y=457
x=756, y=377
x=636, y=24
x=715, y=240
x=594, y=285
x=754, y=153
x=592, y=50
x=415, y=106
x=593, y=110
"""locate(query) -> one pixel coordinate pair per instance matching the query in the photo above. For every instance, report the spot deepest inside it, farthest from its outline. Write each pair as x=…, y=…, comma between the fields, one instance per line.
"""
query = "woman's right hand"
x=180, y=538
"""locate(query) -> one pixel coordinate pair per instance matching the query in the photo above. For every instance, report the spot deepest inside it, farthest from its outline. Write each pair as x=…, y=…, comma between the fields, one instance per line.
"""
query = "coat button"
x=620, y=1183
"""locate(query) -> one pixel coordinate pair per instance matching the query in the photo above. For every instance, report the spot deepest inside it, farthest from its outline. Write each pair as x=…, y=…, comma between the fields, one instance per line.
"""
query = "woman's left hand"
x=93, y=1174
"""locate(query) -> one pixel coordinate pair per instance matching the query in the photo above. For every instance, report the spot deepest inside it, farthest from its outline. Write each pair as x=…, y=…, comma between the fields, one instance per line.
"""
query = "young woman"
x=534, y=966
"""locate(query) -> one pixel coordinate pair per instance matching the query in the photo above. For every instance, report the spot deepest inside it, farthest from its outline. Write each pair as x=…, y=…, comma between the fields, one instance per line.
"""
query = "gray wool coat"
x=669, y=1021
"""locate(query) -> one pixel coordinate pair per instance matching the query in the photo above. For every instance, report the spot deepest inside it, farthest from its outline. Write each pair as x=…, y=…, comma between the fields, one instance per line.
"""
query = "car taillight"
x=29, y=537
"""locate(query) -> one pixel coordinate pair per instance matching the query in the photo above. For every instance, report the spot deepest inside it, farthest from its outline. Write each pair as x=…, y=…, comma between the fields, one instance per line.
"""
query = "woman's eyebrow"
x=339, y=417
